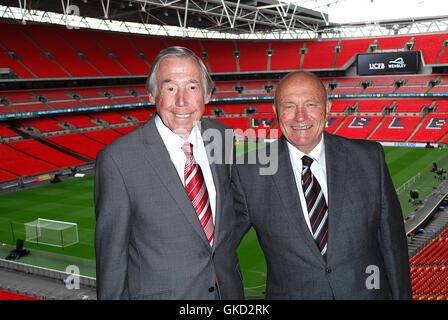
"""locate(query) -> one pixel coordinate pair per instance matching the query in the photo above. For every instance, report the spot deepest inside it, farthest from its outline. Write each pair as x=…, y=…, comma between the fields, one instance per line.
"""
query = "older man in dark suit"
x=164, y=209
x=328, y=218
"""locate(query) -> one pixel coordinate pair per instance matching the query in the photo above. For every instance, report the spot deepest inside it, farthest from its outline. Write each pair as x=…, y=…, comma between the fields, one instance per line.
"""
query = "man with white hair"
x=164, y=211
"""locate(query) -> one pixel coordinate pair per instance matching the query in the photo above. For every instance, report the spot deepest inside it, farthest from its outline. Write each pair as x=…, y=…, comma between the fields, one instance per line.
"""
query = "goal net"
x=52, y=232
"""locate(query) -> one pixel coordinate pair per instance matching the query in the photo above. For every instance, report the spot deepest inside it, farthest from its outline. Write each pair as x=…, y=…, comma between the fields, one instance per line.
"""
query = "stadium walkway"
x=44, y=287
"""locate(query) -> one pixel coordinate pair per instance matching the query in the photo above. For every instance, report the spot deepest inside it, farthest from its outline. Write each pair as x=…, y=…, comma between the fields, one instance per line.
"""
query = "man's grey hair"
x=151, y=82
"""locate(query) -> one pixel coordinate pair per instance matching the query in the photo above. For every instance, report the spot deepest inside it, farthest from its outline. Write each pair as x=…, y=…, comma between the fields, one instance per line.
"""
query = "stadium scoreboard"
x=405, y=62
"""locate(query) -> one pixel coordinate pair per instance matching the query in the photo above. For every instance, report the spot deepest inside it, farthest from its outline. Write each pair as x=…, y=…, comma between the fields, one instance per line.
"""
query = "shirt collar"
x=317, y=154
x=172, y=139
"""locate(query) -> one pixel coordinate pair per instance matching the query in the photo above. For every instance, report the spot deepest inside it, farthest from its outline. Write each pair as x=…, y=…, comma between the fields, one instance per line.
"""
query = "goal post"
x=51, y=232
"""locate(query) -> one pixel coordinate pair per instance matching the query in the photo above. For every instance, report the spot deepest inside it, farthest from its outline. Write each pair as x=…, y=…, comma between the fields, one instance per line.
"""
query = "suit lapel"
x=158, y=158
x=289, y=195
x=218, y=170
x=336, y=166
x=216, y=173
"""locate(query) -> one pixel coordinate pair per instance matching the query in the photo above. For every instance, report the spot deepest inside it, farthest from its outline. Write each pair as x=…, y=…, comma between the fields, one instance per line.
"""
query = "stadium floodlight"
x=52, y=232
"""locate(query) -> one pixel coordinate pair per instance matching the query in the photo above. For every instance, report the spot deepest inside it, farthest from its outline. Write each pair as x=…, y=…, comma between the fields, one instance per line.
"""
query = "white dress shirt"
x=174, y=144
x=318, y=169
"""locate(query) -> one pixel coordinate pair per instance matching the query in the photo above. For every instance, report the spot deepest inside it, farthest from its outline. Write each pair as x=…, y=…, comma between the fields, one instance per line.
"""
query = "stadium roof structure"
x=241, y=19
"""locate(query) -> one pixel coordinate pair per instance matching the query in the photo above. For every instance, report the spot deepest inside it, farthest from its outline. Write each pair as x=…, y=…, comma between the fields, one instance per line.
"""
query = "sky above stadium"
x=349, y=11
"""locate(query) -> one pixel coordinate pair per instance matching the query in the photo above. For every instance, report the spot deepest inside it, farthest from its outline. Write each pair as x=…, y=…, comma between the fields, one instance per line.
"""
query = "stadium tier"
x=253, y=56
x=44, y=51
x=5, y=295
x=68, y=91
x=429, y=273
x=104, y=136
x=45, y=153
x=20, y=164
x=319, y=55
x=286, y=55
x=432, y=129
x=333, y=122
x=220, y=56
x=49, y=51
x=358, y=126
x=368, y=122
x=59, y=99
x=79, y=144
x=396, y=128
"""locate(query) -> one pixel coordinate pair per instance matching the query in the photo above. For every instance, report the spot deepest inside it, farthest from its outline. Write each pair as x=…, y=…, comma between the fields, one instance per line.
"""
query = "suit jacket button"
x=328, y=270
x=211, y=289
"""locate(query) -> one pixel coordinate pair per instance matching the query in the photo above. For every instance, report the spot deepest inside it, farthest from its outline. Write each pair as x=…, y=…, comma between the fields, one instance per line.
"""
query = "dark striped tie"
x=317, y=207
x=197, y=192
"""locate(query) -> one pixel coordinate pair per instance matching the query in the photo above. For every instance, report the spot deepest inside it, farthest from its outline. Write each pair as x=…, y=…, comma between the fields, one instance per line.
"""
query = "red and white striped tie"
x=197, y=192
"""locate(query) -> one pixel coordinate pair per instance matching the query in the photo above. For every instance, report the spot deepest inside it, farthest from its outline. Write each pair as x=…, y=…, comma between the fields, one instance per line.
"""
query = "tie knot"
x=187, y=148
x=307, y=161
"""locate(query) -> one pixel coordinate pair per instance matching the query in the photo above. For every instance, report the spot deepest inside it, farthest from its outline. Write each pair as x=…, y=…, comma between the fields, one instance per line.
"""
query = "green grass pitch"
x=72, y=201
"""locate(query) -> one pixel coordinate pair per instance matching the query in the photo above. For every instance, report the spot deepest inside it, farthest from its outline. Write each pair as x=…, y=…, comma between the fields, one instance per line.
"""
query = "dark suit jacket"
x=149, y=242
x=367, y=252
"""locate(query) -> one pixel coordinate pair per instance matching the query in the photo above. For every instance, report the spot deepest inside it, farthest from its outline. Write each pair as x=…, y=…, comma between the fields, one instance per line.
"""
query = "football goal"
x=51, y=232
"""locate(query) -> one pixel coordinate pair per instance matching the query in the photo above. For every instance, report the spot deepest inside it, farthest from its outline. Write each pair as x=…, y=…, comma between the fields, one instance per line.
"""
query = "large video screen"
x=388, y=63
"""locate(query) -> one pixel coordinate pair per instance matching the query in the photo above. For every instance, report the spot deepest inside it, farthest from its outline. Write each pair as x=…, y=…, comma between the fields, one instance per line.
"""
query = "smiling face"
x=180, y=100
x=301, y=109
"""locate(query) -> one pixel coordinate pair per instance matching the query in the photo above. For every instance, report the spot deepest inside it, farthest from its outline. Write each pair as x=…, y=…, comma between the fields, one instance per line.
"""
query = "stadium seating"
x=262, y=124
x=84, y=41
x=396, y=128
x=5, y=176
x=358, y=126
x=7, y=110
x=5, y=295
x=5, y=132
x=78, y=143
x=333, y=122
x=54, y=51
x=48, y=51
x=233, y=108
x=220, y=56
x=104, y=136
x=285, y=55
x=50, y=41
x=433, y=128
x=126, y=55
x=79, y=121
x=320, y=55
x=263, y=107
x=392, y=42
x=20, y=164
x=30, y=54
x=371, y=105
x=110, y=117
x=411, y=105
x=88, y=53
x=253, y=56
x=349, y=49
x=45, y=153
x=431, y=45
x=124, y=130
x=238, y=123
x=429, y=270
x=142, y=115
